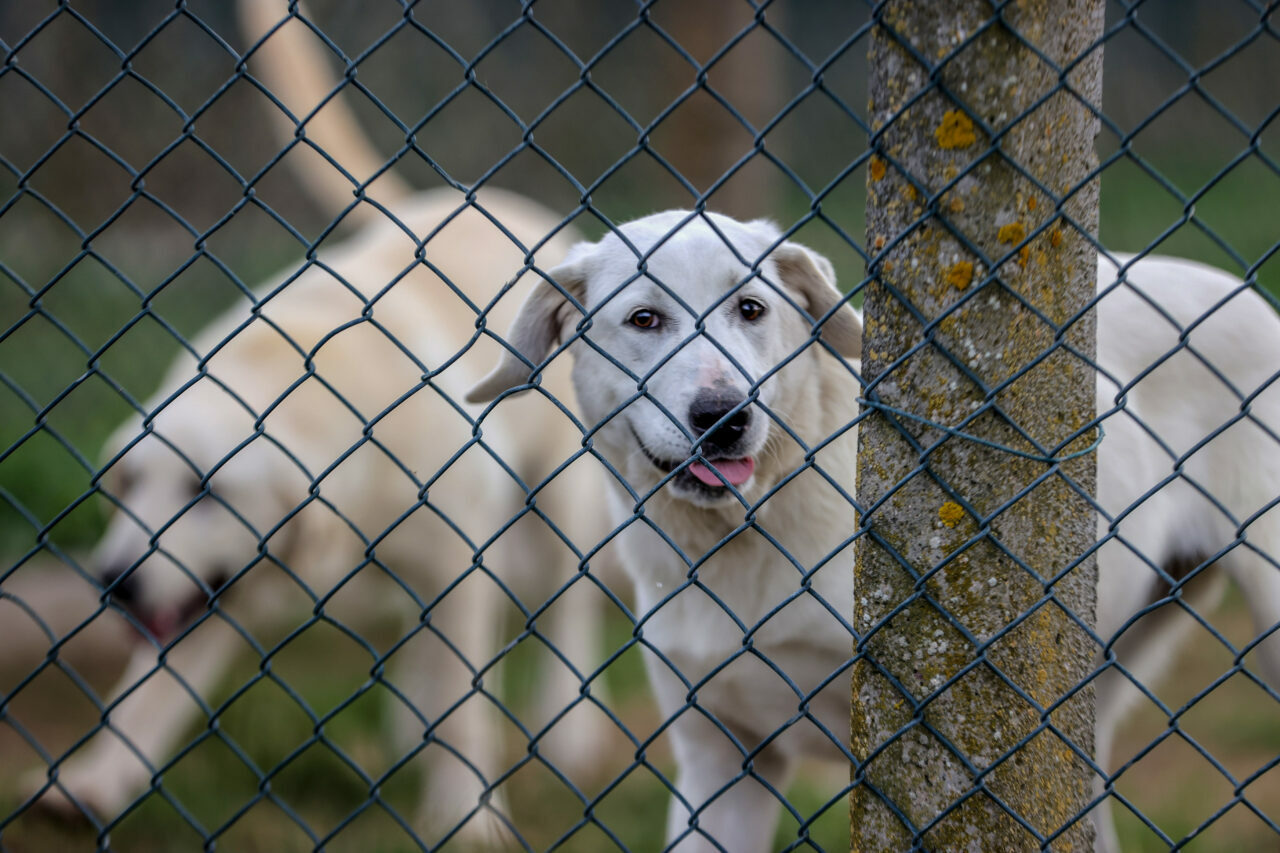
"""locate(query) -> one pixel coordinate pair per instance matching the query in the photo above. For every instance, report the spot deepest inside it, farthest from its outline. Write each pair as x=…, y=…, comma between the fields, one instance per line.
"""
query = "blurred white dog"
x=297, y=453
x=709, y=395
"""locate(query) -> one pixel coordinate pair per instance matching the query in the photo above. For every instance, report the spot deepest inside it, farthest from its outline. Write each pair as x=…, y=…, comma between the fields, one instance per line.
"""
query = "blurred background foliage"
x=122, y=182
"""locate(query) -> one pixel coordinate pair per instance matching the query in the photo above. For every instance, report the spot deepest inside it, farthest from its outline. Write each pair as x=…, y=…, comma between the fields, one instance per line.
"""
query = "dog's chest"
x=765, y=605
x=774, y=665
x=754, y=623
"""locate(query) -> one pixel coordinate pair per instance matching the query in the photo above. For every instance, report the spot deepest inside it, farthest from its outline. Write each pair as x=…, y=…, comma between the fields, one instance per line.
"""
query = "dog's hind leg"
x=152, y=704
x=540, y=557
x=1115, y=697
x=1254, y=565
x=443, y=671
x=1168, y=593
x=574, y=628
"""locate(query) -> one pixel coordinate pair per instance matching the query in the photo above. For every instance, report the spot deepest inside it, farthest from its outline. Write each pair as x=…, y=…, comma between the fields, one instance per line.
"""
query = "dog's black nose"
x=218, y=581
x=123, y=589
x=709, y=408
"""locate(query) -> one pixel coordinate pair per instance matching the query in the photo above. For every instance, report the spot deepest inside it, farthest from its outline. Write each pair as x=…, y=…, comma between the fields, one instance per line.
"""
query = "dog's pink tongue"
x=163, y=627
x=735, y=471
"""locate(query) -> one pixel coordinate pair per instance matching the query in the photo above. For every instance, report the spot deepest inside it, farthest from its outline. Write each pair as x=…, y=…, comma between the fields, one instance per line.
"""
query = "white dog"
x=708, y=396
x=295, y=458
x=303, y=458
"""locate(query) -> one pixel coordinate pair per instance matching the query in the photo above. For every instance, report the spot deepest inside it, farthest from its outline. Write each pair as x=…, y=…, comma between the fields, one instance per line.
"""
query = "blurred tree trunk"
x=702, y=138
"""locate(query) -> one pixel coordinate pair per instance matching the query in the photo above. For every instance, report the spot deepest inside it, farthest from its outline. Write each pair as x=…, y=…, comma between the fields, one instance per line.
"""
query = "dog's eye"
x=643, y=318
x=751, y=310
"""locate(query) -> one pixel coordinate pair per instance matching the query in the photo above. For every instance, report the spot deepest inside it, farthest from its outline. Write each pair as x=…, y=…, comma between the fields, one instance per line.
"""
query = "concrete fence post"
x=975, y=462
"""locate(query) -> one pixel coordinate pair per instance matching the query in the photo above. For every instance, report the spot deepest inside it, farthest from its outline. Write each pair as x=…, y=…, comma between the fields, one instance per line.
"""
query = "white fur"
x=753, y=582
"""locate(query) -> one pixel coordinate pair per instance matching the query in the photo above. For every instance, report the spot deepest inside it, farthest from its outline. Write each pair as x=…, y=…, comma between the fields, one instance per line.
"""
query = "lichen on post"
x=970, y=721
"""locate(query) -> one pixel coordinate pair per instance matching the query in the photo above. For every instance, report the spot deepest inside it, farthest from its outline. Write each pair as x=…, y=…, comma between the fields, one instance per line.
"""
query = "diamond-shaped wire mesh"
x=268, y=581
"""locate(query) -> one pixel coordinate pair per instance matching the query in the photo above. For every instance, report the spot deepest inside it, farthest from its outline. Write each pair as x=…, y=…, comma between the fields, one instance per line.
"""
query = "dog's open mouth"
x=709, y=476
x=165, y=624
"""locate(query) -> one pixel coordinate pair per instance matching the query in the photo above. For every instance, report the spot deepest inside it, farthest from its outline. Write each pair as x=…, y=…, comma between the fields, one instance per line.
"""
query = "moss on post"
x=963, y=649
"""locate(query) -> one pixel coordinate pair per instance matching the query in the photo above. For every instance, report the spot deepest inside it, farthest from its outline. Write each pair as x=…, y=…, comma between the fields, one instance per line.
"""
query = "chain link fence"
x=269, y=581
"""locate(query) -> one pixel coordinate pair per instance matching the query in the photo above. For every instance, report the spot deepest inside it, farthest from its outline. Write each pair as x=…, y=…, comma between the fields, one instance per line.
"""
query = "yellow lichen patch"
x=1024, y=256
x=1011, y=233
x=951, y=513
x=960, y=275
x=956, y=204
x=956, y=130
x=1055, y=237
x=910, y=193
x=878, y=169
x=879, y=243
x=1031, y=203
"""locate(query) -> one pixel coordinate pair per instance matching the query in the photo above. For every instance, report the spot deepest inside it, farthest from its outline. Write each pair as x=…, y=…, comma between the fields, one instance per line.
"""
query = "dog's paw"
x=73, y=798
x=580, y=744
x=452, y=810
x=485, y=830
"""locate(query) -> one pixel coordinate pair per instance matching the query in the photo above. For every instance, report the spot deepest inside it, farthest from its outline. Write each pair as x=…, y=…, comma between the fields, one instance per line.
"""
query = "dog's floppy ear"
x=537, y=326
x=814, y=278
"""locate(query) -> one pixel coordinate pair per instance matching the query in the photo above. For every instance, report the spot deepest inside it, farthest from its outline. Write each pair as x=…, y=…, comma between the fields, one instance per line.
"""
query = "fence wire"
x=477, y=623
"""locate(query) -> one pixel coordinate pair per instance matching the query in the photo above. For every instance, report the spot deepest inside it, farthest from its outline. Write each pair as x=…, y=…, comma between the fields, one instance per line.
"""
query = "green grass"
x=1138, y=211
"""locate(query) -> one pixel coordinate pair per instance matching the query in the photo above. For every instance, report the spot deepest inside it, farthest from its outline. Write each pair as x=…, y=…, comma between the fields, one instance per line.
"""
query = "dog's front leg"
x=140, y=731
x=722, y=804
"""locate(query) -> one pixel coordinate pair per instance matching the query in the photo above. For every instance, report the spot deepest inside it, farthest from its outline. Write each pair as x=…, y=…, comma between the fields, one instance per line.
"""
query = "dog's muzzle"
x=124, y=589
x=719, y=423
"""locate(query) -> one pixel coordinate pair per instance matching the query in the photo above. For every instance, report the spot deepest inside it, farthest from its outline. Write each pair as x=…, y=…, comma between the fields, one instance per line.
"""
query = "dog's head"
x=696, y=346
x=197, y=497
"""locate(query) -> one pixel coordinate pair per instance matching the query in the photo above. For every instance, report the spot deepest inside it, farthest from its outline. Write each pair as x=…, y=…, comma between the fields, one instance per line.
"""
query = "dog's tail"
x=336, y=158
